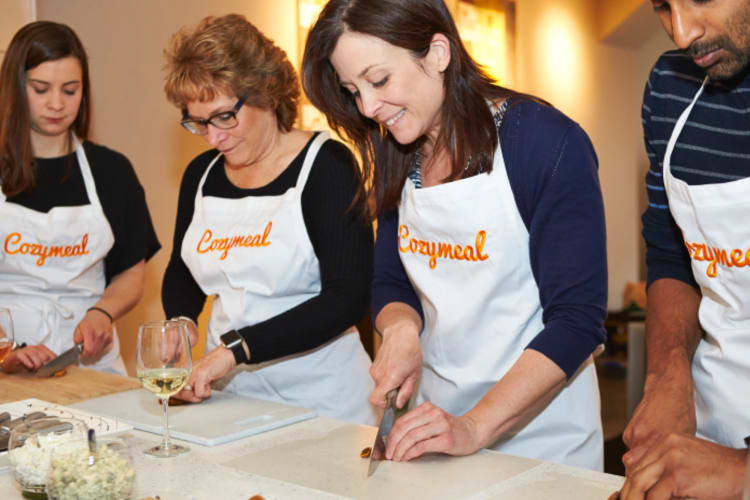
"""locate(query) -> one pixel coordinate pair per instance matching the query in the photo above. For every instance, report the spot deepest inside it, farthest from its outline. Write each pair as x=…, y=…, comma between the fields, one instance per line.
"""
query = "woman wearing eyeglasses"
x=75, y=230
x=266, y=224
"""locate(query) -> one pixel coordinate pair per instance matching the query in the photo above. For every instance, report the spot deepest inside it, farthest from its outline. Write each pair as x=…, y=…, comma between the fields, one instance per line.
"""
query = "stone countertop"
x=319, y=459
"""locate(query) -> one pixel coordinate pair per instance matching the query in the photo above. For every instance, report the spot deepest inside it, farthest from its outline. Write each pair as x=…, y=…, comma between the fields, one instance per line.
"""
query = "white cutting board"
x=330, y=462
x=222, y=418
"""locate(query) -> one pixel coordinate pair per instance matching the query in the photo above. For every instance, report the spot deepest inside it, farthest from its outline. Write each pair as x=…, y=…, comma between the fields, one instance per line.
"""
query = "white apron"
x=713, y=220
x=271, y=268
x=465, y=249
x=52, y=269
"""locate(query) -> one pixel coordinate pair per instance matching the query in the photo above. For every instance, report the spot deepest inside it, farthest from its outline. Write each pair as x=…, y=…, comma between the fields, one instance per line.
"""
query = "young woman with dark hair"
x=490, y=277
x=74, y=224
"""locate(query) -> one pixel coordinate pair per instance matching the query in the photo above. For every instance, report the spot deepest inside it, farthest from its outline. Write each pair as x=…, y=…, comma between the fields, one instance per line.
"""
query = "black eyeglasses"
x=223, y=120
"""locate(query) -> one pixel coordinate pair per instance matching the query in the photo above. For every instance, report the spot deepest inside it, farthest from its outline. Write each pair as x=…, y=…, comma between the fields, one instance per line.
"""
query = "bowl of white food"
x=31, y=446
x=77, y=473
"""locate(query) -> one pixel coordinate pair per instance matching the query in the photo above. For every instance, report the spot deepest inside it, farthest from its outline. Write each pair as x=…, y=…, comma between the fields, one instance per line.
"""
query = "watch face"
x=230, y=339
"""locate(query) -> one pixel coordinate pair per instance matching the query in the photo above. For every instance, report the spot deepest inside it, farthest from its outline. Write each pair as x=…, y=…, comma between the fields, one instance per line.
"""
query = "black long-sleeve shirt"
x=341, y=238
x=59, y=183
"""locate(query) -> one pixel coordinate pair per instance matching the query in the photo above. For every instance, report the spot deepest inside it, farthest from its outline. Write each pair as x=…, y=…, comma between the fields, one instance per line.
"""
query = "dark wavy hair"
x=32, y=45
x=229, y=54
x=467, y=130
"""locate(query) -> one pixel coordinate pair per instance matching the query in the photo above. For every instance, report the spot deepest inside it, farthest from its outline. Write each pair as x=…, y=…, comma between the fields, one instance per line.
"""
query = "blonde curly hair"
x=229, y=55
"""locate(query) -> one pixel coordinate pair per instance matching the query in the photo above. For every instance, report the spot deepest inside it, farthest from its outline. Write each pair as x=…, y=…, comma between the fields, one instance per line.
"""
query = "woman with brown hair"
x=74, y=224
x=490, y=283
x=266, y=223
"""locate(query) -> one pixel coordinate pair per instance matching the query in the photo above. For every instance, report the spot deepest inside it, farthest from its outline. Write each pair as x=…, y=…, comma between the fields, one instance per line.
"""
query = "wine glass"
x=6, y=334
x=163, y=364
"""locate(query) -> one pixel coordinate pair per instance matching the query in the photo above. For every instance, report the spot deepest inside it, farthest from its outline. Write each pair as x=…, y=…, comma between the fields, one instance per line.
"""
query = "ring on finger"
x=188, y=387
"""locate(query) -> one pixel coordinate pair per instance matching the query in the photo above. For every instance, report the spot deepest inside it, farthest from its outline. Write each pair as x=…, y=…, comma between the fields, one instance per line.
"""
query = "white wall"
x=14, y=14
x=600, y=86
x=124, y=40
x=559, y=58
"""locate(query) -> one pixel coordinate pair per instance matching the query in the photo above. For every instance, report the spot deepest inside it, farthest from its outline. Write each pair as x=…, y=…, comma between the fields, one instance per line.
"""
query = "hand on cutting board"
x=28, y=358
x=95, y=331
x=212, y=366
x=684, y=466
x=428, y=429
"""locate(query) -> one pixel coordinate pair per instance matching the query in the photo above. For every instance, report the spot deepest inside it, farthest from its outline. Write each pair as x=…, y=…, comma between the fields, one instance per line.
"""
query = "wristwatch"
x=233, y=341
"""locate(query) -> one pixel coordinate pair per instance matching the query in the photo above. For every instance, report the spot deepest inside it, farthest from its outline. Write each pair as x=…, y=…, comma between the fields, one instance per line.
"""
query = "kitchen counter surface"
x=281, y=471
x=319, y=459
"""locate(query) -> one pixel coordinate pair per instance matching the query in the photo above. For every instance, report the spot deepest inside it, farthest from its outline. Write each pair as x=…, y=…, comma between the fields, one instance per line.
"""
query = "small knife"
x=386, y=424
x=5, y=429
x=67, y=358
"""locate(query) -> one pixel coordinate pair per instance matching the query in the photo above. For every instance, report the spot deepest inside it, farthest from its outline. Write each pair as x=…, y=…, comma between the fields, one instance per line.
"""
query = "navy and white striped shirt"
x=714, y=147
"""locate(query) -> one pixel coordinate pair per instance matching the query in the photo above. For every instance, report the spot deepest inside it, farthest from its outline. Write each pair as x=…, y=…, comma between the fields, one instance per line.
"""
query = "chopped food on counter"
x=60, y=373
x=365, y=453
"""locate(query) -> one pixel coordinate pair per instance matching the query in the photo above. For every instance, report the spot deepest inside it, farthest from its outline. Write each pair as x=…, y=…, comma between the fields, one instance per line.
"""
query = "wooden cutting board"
x=78, y=384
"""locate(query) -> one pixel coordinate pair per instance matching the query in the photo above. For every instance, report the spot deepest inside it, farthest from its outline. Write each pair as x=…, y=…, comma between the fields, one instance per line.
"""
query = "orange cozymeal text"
x=208, y=243
x=717, y=257
x=14, y=244
x=441, y=250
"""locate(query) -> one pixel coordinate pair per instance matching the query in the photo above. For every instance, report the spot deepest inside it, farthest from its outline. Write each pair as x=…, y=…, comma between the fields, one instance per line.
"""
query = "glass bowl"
x=76, y=474
x=30, y=448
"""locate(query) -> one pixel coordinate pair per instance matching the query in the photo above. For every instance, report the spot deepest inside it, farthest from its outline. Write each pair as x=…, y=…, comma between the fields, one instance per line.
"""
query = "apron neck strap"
x=681, y=123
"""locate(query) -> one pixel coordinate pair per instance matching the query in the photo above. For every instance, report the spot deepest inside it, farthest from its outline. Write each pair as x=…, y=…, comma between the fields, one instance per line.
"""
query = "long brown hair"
x=467, y=127
x=32, y=45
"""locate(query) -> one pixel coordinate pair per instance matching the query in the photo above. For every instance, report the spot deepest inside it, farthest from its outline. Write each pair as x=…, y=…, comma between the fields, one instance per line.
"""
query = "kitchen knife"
x=6, y=428
x=67, y=358
x=386, y=424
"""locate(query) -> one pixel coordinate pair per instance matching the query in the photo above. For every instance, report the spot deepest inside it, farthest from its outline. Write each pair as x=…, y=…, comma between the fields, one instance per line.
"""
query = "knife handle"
x=390, y=400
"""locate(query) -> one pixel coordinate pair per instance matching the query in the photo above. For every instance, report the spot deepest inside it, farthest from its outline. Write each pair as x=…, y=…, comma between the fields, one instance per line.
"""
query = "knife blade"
x=67, y=358
x=390, y=415
x=5, y=429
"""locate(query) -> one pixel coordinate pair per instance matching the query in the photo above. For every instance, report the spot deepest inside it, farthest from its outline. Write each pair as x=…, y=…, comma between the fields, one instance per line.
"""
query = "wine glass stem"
x=165, y=440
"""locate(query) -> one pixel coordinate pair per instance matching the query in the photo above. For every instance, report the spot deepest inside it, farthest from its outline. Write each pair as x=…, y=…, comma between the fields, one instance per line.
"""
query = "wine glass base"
x=170, y=450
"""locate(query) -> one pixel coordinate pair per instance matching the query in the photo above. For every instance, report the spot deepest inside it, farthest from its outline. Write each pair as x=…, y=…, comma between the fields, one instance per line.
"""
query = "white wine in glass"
x=6, y=334
x=164, y=363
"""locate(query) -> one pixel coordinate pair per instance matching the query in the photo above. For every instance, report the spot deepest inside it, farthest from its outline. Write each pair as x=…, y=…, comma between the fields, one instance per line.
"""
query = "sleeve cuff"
x=565, y=348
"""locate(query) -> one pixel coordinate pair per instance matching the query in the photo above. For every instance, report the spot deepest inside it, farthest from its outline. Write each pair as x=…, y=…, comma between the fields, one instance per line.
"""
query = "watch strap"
x=232, y=340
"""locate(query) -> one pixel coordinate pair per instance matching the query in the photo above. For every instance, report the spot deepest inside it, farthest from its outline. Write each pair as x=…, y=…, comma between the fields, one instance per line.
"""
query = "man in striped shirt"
x=697, y=234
